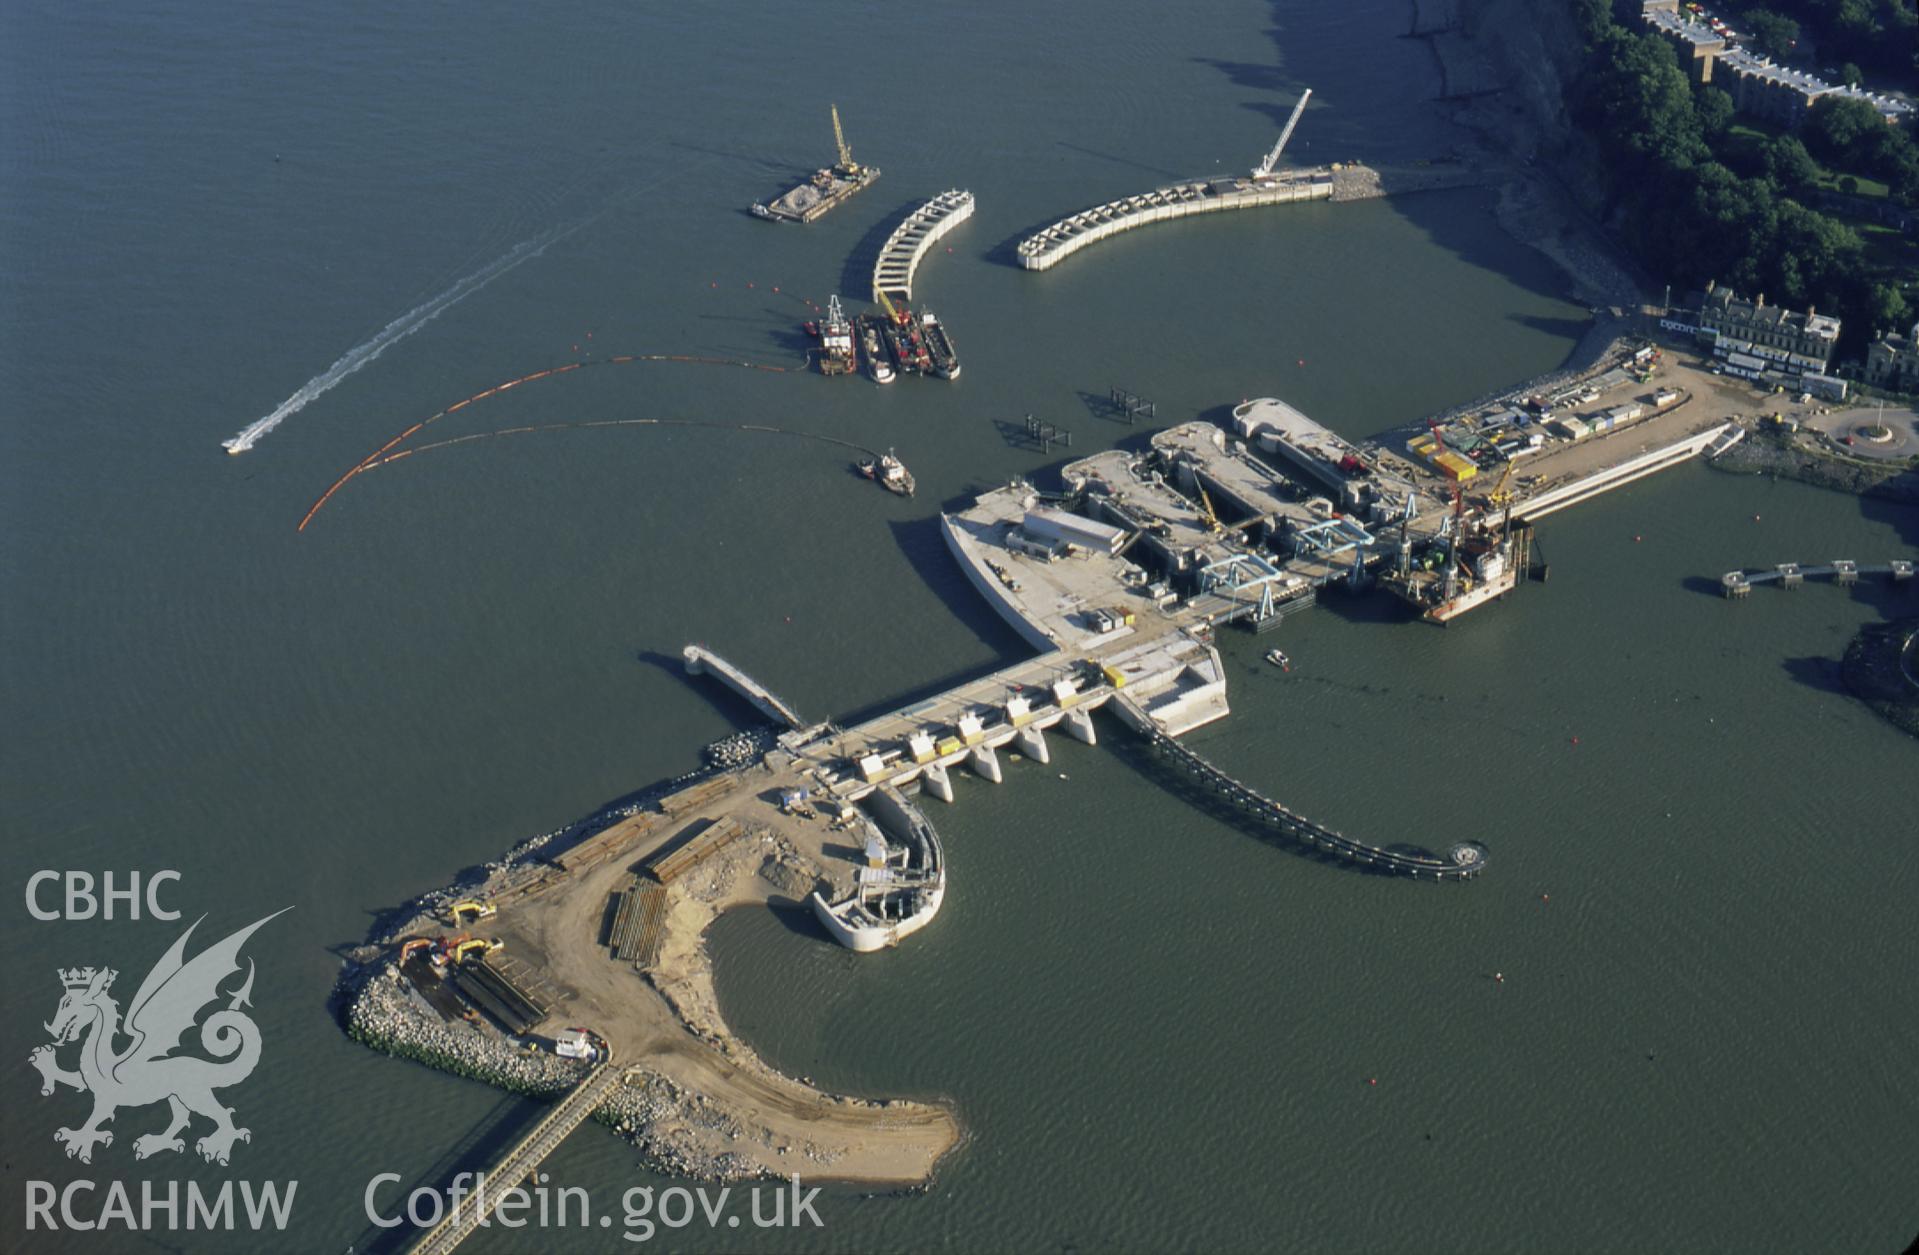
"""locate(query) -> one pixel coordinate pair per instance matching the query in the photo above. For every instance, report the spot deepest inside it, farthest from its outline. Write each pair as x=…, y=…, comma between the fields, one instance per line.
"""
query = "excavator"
x=461, y=946
x=471, y=911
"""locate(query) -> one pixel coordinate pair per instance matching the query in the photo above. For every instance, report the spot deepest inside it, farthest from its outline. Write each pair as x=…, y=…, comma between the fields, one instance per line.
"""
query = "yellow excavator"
x=457, y=949
x=471, y=911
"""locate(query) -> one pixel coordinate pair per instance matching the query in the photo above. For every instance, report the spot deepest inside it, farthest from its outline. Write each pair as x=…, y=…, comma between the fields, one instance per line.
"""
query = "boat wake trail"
x=400, y=328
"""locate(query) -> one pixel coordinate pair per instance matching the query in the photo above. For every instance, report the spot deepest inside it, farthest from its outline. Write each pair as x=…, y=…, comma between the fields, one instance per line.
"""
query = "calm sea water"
x=1160, y=1032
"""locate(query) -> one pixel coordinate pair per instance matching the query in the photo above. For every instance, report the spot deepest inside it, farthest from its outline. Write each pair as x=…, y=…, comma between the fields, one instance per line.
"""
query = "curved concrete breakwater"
x=900, y=256
x=1051, y=245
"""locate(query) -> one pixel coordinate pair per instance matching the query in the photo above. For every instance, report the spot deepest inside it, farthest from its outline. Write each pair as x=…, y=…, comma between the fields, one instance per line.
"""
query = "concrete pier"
x=1843, y=572
x=703, y=661
x=1079, y=726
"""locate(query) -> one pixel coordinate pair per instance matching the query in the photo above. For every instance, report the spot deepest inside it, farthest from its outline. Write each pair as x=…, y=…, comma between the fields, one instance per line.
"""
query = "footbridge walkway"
x=518, y=1164
x=1790, y=575
x=901, y=254
x=1461, y=862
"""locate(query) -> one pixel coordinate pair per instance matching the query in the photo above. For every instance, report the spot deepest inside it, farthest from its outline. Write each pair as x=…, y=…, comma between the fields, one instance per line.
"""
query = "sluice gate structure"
x=900, y=256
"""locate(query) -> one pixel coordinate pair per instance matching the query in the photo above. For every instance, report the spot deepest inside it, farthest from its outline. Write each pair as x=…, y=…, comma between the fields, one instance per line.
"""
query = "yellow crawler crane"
x=847, y=165
x=1502, y=495
x=1207, y=514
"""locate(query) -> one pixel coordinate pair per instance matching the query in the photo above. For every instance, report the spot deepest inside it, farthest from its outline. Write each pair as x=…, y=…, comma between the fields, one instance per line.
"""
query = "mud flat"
x=697, y=1100
x=1764, y=454
x=1882, y=670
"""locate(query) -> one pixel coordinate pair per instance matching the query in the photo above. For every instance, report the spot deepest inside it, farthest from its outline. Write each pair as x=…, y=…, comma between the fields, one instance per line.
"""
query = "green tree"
x=1714, y=109
x=1775, y=33
x=1789, y=166
x=1593, y=18
x=1638, y=99
x=1851, y=75
x=1837, y=127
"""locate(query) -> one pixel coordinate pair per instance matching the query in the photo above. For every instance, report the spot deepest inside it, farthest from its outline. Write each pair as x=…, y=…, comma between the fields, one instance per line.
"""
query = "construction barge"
x=824, y=190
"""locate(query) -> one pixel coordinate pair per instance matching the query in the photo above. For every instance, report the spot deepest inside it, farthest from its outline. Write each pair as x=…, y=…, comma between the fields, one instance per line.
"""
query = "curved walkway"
x=1462, y=862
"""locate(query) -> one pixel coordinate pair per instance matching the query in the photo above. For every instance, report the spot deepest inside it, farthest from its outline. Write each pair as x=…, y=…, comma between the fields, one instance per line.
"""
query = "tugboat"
x=1279, y=659
x=939, y=344
x=836, y=340
x=889, y=473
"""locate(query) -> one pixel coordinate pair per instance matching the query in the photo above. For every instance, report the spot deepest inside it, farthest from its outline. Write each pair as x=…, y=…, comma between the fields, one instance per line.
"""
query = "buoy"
x=1755, y=518
x=749, y=285
x=789, y=618
x=1499, y=977
x=1372, y=1080
x=1302, y=361
x=1575, y=740
x=776, y=287
x=1545, y=897
x=712, y=285
x=1637, y=539
x=576, y=348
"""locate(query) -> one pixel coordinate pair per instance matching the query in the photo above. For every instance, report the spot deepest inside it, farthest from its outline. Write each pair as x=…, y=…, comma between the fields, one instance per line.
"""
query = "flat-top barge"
x=825, y=189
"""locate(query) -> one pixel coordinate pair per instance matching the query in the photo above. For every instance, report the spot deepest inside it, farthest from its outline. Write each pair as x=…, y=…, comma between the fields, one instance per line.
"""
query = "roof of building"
x=1734, y=308
x=1743, y=62
x=1666, y=22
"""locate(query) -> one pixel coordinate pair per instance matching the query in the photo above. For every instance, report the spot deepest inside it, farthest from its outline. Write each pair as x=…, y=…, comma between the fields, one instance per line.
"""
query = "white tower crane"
x=1263, y=172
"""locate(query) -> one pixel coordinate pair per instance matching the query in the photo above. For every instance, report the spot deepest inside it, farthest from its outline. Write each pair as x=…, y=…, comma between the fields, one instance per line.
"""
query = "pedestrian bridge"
x=518, y=1164
x=1790, y=575
x=1462, y=862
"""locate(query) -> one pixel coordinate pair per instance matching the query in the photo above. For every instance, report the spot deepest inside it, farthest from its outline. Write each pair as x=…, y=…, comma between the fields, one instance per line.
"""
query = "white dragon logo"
x=169, y=1002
